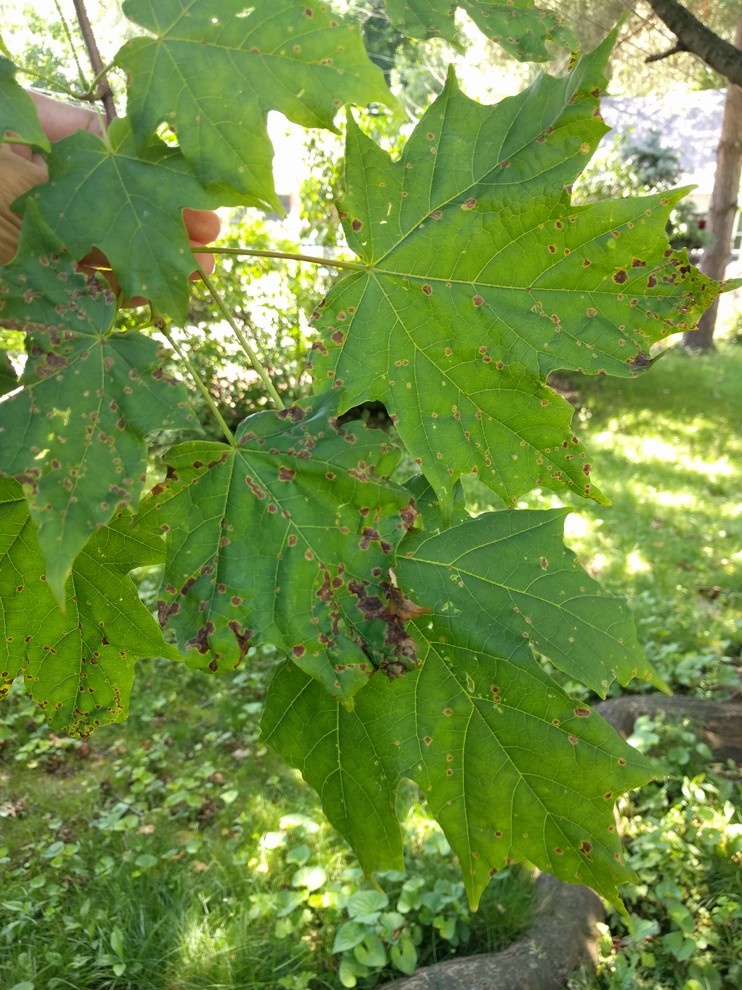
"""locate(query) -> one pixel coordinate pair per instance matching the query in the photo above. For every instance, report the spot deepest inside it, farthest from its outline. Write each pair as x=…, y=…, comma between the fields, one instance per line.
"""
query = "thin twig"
x=198, y=381
x=70, y=42
x=105, y=93
x=244, y=342
x=675, y=50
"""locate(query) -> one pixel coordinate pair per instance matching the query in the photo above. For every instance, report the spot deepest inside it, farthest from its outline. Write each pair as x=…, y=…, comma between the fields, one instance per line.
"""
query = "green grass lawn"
x=175, y=852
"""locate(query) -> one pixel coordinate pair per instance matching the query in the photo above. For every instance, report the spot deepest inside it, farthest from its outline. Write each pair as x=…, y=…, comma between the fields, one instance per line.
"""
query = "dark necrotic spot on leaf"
x=295, y=413
x=200, y=641
x=620, y=277
x=243, y=637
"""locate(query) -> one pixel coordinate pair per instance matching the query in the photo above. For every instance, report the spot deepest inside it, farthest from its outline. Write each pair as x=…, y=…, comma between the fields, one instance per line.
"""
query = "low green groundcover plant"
x=684, y=840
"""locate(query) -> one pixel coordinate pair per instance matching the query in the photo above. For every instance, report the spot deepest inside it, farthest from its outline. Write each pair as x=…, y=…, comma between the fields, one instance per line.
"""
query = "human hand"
x=21, y=169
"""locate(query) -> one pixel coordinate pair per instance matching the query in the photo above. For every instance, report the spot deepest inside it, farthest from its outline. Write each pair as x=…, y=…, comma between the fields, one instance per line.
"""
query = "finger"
x=203, y=226
x=205, y=263
x=61, y=119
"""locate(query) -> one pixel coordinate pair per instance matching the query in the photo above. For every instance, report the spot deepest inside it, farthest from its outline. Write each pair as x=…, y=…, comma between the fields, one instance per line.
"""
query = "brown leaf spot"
x=200, y=641
x=286, y=474
x=469, y=204
x=298, y=650
x=356, y=224
x=428, y=289
x=620, y=277
x=295, y=413
x=478, y=300
x=573, y=740
x=582, y=712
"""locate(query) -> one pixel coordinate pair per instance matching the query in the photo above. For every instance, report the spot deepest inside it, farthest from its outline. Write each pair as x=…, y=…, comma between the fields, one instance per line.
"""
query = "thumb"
x=17, y=176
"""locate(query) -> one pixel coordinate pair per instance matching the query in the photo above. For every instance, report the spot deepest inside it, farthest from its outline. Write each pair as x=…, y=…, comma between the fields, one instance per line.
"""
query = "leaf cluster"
x=410, y=628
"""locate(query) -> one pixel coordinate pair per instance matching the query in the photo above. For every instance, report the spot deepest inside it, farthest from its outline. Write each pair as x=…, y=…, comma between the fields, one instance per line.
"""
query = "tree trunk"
x=723, y=210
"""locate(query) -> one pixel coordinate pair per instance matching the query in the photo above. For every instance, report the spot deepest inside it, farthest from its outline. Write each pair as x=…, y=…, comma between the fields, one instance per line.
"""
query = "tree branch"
x=104, y=89
x=695, y=37
x=675, y=50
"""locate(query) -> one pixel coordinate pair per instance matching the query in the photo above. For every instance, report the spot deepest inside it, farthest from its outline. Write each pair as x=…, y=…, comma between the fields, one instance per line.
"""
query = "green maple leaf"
x=75, y=434
x=509, y=765
x=212, y=71
x=480, y=277
x=104, y=193
x=17, y=110
x=521, y=28
x=288, y=538
x=528, y=586
x=77, y=660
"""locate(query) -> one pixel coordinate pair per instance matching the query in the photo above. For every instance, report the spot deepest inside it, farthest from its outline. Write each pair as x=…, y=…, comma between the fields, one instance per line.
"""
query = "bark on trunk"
x=720, y=722
x=723, y=210
x=695, y=37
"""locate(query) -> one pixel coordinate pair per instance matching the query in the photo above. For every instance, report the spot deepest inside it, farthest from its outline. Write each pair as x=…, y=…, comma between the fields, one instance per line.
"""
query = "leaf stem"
x=244, y=342
x=198, y=381
x=355, y=266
